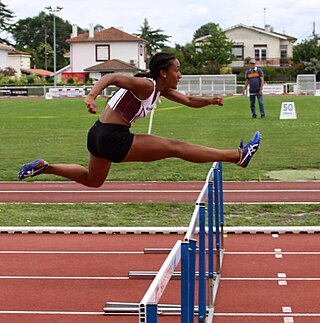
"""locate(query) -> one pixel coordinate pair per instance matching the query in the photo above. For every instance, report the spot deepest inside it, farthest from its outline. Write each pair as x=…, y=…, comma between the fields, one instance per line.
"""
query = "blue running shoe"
x=32, y=169
x=247, y=152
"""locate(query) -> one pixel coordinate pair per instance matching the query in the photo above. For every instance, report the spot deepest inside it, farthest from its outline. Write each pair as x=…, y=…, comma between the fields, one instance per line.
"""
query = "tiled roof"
x=106, y=35
x=111, y=65
x=37, y=71
x=18, y=52
x=6, y=47
x=262, y=30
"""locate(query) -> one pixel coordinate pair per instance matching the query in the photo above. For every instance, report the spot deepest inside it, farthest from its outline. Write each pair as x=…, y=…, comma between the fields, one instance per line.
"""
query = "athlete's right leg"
x=146, y=148
x=94, y=176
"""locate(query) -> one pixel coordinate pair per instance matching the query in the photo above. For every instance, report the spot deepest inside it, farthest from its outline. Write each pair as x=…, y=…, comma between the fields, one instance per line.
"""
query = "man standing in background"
x=255, y=80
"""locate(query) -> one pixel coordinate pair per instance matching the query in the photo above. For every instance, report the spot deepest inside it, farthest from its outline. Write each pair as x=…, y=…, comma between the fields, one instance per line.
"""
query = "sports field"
x=56, y=130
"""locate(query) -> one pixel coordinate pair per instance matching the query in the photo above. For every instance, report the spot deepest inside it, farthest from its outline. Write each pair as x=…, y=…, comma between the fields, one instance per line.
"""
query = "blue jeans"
x=253, y=104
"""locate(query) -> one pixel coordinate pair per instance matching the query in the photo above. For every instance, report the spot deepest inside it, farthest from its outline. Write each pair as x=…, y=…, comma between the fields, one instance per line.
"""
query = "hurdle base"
x=151, y=274
x=119, y=308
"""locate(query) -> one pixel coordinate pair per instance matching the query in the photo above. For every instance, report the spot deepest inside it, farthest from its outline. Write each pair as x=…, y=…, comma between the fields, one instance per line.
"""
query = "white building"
x=19, y=61
x=93, y=53
x=4, y=53
x=264, y=44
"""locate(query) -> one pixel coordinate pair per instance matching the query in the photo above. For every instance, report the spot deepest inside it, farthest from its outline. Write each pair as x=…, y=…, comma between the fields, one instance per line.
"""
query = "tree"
x=96, y=28
x=204, y=30
x=185, y=54
x=154, y=36
x=215, y=50
x=307, y=55
x=306, y=50
x=313, y=66
x=41, y=38
x=6, y=15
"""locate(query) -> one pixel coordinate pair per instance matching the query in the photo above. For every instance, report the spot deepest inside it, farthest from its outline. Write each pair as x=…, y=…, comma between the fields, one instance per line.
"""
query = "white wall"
x=3, y=59
x=83, y=55
x=251, y=38
x=19, y=62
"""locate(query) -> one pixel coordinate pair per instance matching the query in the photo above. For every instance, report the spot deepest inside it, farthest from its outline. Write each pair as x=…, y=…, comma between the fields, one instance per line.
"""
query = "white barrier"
x=273, y=89
x=59, y=92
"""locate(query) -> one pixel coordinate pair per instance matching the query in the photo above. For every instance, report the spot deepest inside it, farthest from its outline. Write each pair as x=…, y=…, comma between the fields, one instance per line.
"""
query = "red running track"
x=234, y=192
x=68, y=278
x=270, y=278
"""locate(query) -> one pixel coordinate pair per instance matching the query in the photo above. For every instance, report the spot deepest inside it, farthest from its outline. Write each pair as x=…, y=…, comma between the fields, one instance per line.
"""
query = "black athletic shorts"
x=109, y=141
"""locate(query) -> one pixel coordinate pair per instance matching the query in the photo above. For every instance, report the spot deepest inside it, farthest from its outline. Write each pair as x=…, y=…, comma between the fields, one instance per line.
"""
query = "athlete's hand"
x=91, y=104
x=217, y=100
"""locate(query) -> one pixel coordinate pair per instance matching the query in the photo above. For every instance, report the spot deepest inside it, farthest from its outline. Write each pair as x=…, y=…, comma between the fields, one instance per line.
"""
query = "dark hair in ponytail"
x=160, y=61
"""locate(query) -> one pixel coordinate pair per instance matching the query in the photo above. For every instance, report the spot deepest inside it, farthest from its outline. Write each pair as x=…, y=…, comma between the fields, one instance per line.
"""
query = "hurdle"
x=208, y=209
x=211, y=196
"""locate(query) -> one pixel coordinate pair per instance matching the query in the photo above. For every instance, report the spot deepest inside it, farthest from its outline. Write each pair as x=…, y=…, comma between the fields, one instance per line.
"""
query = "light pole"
x=54, y=10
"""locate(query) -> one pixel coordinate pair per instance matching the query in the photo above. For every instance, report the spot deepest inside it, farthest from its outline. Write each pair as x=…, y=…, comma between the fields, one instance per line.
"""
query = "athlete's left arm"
x=191, y=101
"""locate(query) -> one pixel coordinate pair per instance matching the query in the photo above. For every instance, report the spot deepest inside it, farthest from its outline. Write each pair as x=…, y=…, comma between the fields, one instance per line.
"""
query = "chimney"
x=91, y=32
x=74, y=31
x=268, y=28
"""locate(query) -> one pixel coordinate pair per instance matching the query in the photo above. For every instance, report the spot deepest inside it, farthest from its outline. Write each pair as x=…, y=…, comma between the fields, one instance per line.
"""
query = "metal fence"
x=208, y=85
x=203, y=85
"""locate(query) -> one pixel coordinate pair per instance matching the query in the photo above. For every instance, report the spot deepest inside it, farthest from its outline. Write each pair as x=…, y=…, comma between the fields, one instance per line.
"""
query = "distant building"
x=264, y=44
x=19, y=61
x=36, y=71
x=4, y=53
x=93, y=54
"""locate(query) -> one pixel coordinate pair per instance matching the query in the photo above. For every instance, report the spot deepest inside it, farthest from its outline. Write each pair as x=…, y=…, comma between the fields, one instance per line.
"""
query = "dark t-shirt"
x=253, y=76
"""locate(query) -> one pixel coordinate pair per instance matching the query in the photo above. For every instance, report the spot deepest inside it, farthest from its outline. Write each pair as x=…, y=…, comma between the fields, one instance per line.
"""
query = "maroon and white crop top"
x=130, y=107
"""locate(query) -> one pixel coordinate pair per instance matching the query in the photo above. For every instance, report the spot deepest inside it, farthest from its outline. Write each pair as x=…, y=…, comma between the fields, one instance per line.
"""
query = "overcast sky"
x=180, y=18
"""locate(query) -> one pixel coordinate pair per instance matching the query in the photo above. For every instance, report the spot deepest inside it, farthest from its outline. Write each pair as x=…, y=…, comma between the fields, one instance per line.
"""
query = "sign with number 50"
x=288, y=110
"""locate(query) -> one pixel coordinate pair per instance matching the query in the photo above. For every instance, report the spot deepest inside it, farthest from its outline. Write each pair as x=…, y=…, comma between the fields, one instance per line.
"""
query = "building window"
x=260, y=53
x=237, y=51
x=102, y=52
x=283, y=51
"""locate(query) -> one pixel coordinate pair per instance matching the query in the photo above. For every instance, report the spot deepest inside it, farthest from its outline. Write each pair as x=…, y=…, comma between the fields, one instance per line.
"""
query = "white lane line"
x=277, y=251
x=142, y=252
x=66, y=277
x=315, y=279
x=51, y=313
x=72, y=252
x=274, y=203
x=287, y=319
x=282, y=279
x=154, y=191
x=282, y=275
x=216, y=314
x=102, y=191
x=269, y=314
x=106, y=203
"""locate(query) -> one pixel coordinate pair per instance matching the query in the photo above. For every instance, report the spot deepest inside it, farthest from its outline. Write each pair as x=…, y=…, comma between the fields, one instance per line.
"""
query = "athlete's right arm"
x=141, y=87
